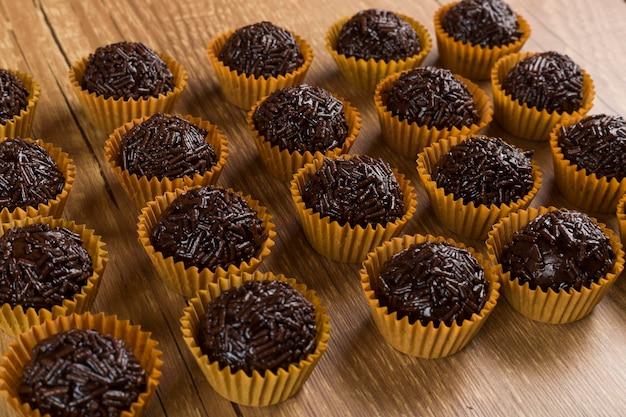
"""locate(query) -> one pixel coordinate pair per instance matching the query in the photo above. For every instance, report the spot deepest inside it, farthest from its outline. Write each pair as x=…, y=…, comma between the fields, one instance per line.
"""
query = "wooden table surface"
x=513, y=367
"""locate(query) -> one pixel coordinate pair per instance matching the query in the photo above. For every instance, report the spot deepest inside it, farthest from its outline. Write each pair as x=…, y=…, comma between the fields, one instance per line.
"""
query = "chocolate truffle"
x=209, y=227
x=13, y=96
x=431, y=97
x=559, y=250
x=357, y=190
x=127, y=70
x=596, y=143
x=262, y=50
x=378, y=34
x=28, y=175
x=546, y=80
x=259, y=326
x=485, y=170
x=302, y=118
x=82, y=373
x=432, y=282
x=486, y=23
x=166, y=147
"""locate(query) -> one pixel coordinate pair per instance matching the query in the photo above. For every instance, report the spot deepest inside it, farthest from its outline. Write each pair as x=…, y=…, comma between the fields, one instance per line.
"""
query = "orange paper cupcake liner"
x=416, y=339
x=189, y=280
x=144, y=348
x=256, y=390
x=469, y=220
x=283, y=164
x=108, y=114
x=142, y=189
x=345, y=243
x=409, y=139
x=528, y=122
x=21, y=124
x=621, y=218
x=53, y=207
x=245, y=90
x=548, y=306
x=366, y=74
x=473, y=61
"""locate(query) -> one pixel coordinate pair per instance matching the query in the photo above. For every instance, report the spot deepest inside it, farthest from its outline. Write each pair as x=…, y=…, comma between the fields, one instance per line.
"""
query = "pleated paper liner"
x=142, y=189
x=21, y=124
x=283, y=164
x=53, y=207
x=416, y=339
x=345, y=243
x=408, y=139
x=528, y=122
x=472, y=61
x=259, y=389
x=621, y=218
x=245, y=90
x=108, y=114
x=469, y=220
x=143, y=346
x=366, y=74
x=548, y=306
x=189, y=280
x=586, y=190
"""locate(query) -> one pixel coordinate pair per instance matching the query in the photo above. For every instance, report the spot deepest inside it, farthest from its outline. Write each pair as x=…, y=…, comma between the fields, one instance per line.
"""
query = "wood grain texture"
x=513, y=367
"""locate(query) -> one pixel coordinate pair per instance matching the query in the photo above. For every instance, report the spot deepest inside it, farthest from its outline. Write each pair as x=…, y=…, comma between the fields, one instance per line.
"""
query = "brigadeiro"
x=19, y=95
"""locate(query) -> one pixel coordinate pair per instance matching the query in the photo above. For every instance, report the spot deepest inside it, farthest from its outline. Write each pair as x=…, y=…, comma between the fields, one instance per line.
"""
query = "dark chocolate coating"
x=128, y=70
x=262, y=325
x=166, y=147
x=82, y=373
x=28, y=175
x=432, y=282
x=485, y=170
x=561, y=250
x=13, y=96
x=431, y=97
x=596, y=143
x=358, y=190
x=302, y=118
x=208, y=227
x=262, y=50
x=546, y=80
x=487, y=23
x=378, y=34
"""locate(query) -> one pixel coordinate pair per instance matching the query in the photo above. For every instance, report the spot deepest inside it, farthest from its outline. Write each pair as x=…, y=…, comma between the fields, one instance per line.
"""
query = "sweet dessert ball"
x=590, y=161
x=293, y=125
x=473, y=34
x=422, y=105
x=13, y=96
x=373, y=43
x=252, y=61
x=557, y=263
x=533, y=92
x=19, y=94
x=420, y=288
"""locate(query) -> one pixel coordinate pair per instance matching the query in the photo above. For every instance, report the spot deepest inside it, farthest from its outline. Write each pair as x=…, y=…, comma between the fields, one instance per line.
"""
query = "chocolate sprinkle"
x=262, y=50
x=166, y=147
x=546, y=80
x=597, y=144
x=485, y=170
x=431, y=97
x=561, y=250
x=487, y=23
x=378, y=34
x=13, y=96
x=128, y=70
x=302, y=118
x=432, y=282
x=82, y=373
x=358, y=190
x=262, y=325
x=28, y=175
x=209, y=227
